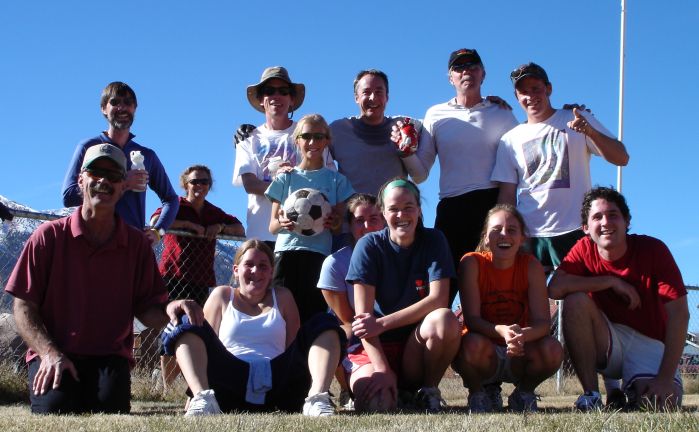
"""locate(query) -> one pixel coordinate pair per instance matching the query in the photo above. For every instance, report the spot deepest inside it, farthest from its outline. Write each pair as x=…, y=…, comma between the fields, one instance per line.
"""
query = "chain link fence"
x=191, y=266
x=186, y=262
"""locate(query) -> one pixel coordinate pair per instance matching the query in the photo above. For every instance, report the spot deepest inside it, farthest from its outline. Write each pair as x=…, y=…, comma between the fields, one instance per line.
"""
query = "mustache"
x=102, y=189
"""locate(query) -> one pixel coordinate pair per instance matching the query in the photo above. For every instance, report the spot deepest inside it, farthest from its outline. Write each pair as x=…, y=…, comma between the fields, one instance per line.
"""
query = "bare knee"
x=440, y=324
x=476, y=351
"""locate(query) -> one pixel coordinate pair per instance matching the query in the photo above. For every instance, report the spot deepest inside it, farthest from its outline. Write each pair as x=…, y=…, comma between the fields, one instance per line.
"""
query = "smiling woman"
x=404, y=268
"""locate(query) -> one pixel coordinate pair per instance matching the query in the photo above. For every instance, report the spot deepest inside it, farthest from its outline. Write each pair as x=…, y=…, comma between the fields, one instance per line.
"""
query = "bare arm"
x=661, y=389
x=216, y=304
x=563, y=284
x=290, y=312
x=507, y=194
x=340, y=305
x=253, y=185
x=31, y=328
x=612, y=150
x=438, y=297
x=277, y=220
x=539, y=315
x=158, y=315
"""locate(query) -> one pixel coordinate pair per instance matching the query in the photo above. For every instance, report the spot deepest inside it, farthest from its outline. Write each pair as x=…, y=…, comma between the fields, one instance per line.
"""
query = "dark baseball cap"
x=471, y=55
x=529, y=69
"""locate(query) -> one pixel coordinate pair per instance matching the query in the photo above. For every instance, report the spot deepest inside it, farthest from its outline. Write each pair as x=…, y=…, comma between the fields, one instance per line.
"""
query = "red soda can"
x=409, y=138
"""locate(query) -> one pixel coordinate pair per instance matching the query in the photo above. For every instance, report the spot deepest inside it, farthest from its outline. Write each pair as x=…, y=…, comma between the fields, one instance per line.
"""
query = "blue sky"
x=190, y=62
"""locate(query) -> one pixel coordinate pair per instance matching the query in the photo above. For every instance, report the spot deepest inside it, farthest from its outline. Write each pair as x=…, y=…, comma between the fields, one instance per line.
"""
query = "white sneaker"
x=319, y=405
x=203, y=403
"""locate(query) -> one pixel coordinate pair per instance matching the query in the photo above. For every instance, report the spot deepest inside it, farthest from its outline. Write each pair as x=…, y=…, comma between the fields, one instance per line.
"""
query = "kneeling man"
x=625, y=312
x=77, y=287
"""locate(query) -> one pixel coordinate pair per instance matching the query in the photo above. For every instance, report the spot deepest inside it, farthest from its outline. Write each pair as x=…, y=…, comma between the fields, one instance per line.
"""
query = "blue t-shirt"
x=396, y=272
x=132, y=205
x=331, y=183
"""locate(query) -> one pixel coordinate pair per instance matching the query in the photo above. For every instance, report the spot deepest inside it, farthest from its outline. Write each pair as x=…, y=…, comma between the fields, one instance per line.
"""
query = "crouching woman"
x=405, y=268
x=251, y=354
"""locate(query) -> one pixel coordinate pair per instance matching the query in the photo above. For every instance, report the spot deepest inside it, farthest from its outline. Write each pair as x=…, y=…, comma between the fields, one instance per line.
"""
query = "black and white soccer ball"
x=308, y=208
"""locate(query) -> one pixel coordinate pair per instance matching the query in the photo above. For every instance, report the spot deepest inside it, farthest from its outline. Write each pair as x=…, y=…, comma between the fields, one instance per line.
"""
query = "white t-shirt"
x=550, y=164
x=466, y=141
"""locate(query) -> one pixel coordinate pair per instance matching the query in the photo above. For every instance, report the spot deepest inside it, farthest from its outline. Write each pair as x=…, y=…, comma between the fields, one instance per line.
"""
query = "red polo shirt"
x=88, y=296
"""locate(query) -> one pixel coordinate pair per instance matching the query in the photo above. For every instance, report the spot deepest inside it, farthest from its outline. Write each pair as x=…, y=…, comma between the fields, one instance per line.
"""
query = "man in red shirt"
x=625, y=312
x=77, y=287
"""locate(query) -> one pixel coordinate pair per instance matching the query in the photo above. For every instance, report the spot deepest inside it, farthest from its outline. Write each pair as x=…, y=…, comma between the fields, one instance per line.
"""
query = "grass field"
x=165, y=414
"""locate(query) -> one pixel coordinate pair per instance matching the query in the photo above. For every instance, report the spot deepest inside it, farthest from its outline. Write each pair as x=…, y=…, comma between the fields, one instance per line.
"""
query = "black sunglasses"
x=101, y=173
x=464, y=66
x=203, y=182
x=316, y=136
x=121, y=101
x=271, y=91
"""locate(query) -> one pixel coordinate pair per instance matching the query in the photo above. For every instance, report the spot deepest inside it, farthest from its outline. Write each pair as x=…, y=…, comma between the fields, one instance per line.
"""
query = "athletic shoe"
x=479, y=402
x=522, y=401
x=616, y=400
x=494, y=392
x=203, y=403
x=430, y=399
x=589, y=401
x=319, y=405
x=345, y=401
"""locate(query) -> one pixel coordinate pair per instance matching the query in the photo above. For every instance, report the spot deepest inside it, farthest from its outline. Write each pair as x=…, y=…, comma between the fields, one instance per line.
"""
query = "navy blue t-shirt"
x=397, y=272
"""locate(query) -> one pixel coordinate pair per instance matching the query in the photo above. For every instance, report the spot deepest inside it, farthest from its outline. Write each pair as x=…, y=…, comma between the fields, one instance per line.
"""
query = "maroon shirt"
x=88, y=296
x=191, y=259
x=648, y=265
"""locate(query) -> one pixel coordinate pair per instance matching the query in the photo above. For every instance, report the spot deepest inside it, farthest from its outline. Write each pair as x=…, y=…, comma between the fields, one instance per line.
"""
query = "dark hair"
x=509, y=208
x=187, y=171
x=357, y=200
x=117, y=88
x=608, y=194
x=374, y=72
x=254, y=244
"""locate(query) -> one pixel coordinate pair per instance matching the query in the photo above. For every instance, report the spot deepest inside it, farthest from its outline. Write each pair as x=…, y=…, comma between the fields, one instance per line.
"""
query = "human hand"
x=497, y=100
x=514, y=339
x=213, y=230
x=177, y=308
x=50, y=372
x=578, y=106
x=404, y=135
x=285, y=222
x=579, y=123
x=284, y=167
x=658, y=394
x=195, y=228
x=243, y=133
x=366, y=325
x=152, y=235
x=626, y=291
x=136, y=180
x=383, y=386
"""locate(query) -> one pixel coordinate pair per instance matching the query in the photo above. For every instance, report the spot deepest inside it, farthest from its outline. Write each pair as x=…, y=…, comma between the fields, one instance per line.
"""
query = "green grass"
x=153, y=411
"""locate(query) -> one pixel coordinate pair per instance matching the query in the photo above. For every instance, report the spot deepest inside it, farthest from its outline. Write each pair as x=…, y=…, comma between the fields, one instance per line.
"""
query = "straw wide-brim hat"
x=281, y=73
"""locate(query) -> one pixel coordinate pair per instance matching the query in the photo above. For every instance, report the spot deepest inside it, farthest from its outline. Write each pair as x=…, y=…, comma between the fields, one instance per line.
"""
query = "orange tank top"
x=503, y=292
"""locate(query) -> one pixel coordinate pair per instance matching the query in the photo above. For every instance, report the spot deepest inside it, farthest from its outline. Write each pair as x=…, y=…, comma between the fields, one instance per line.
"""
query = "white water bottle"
x=137, y=160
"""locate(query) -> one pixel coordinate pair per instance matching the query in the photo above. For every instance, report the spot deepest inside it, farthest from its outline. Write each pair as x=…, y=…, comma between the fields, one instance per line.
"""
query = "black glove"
x=243, y=132
x=5, y=213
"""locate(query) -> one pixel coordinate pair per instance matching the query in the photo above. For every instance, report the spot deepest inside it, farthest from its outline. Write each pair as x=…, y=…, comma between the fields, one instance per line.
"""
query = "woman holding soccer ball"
x=404, y=268
x=298, y=258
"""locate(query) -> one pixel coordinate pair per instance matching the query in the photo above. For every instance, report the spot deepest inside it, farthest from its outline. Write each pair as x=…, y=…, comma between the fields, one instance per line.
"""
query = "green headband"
x=400, y=183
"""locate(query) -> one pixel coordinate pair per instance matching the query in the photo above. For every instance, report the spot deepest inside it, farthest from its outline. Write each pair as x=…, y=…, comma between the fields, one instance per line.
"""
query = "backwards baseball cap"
x=108, y=151
x=470, y=55
x=281, y=73
x=529, y=69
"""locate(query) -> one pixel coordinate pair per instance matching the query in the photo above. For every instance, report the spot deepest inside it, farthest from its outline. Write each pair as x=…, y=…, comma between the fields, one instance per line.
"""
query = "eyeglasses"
x=271, y=91
x=464, y=66
x=127, y=101
x=101, y=173
x=307, y=136
x=203, y=182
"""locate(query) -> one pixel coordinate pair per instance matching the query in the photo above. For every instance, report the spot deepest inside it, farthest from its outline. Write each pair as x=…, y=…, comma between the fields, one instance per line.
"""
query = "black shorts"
x=104, y=387
x=299, y=271
x=228, y=375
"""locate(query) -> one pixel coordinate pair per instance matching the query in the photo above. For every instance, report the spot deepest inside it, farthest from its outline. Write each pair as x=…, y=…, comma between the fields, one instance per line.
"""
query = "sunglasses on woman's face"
x=202, y=182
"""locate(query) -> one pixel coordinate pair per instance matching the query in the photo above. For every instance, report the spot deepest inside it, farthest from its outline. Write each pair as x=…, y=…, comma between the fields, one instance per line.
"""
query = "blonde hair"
x=314, y=119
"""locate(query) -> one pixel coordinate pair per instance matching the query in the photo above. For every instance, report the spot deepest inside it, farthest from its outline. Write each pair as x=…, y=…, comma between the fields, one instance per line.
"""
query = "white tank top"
x=253, y=337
